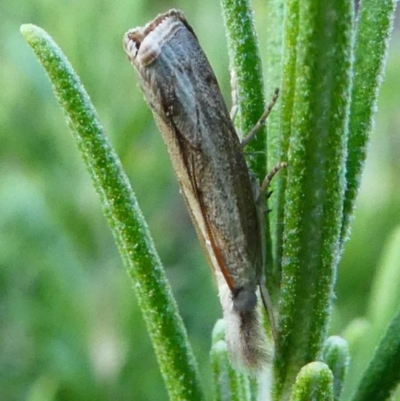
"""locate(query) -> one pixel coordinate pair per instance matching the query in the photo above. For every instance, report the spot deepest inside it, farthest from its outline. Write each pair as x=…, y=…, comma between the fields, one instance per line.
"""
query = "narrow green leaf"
x=385, y=294
x=273, y=78
x=229, y=384
x=336, y=355
x=130, y=231
x=273, y=28
x=374, y=25
x=220, y=370
x=383, y=305
x=245, y=61
x=313, y=383
x=291, y=23
x=218, y=333
x=273, y=66
x=383, y=372
x=361, y=344
x=315, y=183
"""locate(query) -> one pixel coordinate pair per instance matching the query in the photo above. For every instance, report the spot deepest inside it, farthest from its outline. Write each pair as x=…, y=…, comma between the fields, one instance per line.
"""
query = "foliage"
x=72, y=329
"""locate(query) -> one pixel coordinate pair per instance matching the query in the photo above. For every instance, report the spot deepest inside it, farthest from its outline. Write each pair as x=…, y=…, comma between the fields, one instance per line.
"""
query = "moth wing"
x=210, y=233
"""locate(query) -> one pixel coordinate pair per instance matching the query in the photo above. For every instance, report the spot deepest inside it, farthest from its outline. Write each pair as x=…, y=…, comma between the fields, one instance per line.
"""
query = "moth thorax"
x=244, y=300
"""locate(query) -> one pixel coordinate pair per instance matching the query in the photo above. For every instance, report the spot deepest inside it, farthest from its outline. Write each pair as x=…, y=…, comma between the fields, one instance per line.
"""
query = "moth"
x=207, y=156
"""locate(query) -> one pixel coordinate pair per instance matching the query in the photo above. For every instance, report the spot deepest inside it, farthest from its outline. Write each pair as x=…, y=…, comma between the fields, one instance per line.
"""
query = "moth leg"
x=262, y=119
x=260, y=196
x=234, y=96
x=268, y=178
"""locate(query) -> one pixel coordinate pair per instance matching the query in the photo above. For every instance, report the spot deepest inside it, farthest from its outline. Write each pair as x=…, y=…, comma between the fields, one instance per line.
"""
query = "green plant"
x=329, y=68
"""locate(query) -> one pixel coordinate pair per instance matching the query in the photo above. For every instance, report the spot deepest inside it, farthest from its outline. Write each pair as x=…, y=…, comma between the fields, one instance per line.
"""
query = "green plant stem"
x=374, y=25
x=130, y=231
x=315, y=186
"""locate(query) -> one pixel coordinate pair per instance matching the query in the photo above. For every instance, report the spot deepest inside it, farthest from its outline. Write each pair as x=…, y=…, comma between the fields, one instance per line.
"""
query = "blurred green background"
x=70, y=328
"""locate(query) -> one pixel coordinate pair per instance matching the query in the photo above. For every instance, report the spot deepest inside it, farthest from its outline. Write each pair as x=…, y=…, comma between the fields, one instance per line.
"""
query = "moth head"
x=244, y=300
x=144, y=44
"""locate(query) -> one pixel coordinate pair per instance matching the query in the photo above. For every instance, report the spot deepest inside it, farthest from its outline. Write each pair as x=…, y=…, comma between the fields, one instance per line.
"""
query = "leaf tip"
x=31, y=32
x=27, y=29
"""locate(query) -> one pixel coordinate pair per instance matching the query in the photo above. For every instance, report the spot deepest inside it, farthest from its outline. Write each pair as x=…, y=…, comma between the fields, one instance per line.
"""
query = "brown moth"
x=207, y=156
